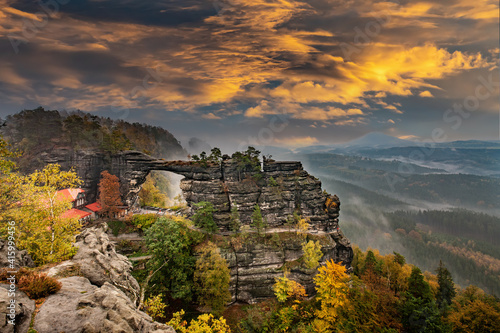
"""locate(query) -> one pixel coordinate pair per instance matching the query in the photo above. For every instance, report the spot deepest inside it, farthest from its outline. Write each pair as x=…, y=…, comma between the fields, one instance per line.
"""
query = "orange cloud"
x=210, y=116
x=295, y=141
x=425, y=93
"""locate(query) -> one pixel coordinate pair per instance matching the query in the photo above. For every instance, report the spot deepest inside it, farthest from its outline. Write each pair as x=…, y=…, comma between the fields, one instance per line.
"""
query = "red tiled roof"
x=79, y=214
x=69, y=193
x=95, y=207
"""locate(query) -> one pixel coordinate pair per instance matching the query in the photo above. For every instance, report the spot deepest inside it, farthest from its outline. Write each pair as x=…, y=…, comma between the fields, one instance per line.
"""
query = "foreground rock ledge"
x=98, y=261
x=82, y=307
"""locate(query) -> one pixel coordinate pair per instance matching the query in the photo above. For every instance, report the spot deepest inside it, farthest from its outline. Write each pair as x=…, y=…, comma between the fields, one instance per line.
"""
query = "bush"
x=117, y=227
x=155, y=307
x=38, y=285
x=143, y=221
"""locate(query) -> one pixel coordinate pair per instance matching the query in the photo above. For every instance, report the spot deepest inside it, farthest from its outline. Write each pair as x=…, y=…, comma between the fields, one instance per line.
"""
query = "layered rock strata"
x=255, y=265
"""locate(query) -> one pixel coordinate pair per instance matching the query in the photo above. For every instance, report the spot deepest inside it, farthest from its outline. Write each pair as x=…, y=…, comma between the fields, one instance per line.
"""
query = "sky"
x=287, y=73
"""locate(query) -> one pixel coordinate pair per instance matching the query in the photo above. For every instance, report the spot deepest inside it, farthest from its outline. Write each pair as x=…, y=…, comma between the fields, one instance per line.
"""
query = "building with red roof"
x=93, y=209
x=77, y=213
x=79, y=210
x=75, y=195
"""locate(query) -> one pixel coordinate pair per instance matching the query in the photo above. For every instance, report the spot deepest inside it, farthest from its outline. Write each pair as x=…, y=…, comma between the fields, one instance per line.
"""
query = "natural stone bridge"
x=280, y=189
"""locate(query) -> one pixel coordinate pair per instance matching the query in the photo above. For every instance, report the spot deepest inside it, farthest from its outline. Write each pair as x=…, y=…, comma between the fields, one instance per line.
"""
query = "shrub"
x=143, y=221
x=155, y=307
x=117, y=227
x=38, y=285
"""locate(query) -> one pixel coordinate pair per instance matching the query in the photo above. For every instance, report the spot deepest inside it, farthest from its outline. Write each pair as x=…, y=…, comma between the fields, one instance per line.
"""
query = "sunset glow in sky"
x=275, y=72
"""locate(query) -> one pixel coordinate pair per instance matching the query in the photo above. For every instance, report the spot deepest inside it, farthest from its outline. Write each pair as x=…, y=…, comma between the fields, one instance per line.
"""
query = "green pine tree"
x=446, y=289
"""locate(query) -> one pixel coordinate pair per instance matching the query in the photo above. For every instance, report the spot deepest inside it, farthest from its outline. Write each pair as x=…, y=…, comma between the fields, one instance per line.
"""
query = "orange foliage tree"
x=109, y=194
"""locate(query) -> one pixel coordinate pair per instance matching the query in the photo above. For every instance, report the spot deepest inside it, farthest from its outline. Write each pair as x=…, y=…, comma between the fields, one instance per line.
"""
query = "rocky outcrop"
x=83, y=307
x=21, y=257
x=98, y=261
x=24, y=308
x=255, y=265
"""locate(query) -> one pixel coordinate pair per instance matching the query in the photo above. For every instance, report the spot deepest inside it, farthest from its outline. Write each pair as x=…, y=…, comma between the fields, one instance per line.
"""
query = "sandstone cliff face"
x=89, y=163
x=279, y=189
x=256, y=264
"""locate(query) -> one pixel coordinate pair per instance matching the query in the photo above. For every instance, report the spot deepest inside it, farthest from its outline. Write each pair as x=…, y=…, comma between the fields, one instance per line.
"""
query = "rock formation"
x=98, y=294
x=83, y=307
x=279, y=188
x=254, y=266
x=22, y=258
x=23, y=311
x=98, y=261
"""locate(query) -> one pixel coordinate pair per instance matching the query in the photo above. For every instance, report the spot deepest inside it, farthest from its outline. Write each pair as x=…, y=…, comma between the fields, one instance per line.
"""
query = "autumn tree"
x=360, y=313
x=331, y=285
x=155, y=307
x=474, y=311
x=312, y=254
x=41, y=227
x=211, y=277
x=10, y=189
x=6, y=155
x=205, y=323
x=286, y=289
x=150, y=194
x=301, y=227
x=109, y=194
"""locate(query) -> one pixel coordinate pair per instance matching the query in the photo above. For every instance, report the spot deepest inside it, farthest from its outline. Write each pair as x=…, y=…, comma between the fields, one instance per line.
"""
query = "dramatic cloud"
x=323, y=63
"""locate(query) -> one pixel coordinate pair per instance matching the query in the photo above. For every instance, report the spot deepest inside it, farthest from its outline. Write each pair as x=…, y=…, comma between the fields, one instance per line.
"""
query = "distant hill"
x=38, y=131
x=376, y=140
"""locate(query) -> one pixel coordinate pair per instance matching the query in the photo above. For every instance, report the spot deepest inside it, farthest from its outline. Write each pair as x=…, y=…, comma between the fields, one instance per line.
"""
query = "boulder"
x=24, y=308
x=83, y=307
x=22, y=258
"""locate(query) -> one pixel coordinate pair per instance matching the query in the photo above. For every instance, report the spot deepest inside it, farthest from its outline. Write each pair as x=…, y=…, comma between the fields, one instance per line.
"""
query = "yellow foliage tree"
x=312, y=254
x=332, y=288
x=40, y=227
x=150, y=194
x=211, y=278
x=286, y=289
x=155, y=307
x=302, y=226
x=205, y=323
